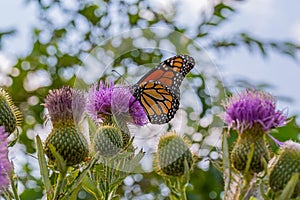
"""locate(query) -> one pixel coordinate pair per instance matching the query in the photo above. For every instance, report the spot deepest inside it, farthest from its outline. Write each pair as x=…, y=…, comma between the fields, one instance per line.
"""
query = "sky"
x=277, y=20
x=274, y=19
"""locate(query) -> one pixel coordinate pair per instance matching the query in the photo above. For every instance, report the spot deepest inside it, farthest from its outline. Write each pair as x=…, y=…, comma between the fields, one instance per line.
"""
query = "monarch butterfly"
x=158, y=90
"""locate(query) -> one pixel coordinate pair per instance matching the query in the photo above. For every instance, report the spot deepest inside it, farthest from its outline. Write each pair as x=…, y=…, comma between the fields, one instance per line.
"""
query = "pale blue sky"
x=276, y=20
x=268, y=18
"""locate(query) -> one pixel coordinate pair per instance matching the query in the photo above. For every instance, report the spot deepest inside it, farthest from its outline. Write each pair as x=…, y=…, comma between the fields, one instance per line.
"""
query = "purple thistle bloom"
x=104, y=99
x=5, y=165
x=65, y=104
x=250, y=108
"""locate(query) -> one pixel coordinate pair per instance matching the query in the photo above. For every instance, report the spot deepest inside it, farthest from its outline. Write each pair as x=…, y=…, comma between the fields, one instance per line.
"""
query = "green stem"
x=177, y=188
x=14, y=188
x=182, y=188
x=107, y=178
x=98, y=193
x=59, y=184
x=110, y=178
x=7, y=194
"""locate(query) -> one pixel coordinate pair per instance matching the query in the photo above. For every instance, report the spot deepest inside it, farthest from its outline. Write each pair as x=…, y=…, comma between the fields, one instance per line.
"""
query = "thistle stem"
x=7, y=194
x=59, y=184
x=14, y=188
x=107, y=177
x=182, y=188
x=177, y=187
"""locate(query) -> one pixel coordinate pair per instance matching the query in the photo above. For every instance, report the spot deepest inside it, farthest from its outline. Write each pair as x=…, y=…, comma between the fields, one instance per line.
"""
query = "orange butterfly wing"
x=158, y=90
x=159, y=102
x=170, y=72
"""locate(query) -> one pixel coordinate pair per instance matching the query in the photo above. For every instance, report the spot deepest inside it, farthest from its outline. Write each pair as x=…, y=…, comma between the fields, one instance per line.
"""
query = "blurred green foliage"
x=61, y=46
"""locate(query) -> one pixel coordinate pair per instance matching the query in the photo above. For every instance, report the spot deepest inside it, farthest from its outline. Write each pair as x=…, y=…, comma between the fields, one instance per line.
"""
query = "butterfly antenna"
x=120, y=76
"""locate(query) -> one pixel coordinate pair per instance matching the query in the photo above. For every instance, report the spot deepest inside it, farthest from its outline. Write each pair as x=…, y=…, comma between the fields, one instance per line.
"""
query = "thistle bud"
x=242, y=148
x=10, y=116
x=68, y=142
x=171, y=155
x=108, y=141
x=286, y=164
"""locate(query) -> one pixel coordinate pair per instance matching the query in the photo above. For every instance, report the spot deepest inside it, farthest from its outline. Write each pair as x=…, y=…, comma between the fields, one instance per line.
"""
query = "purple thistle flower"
x=65, y=104
x=5, y=165
x=111, y=100
x=250, y=108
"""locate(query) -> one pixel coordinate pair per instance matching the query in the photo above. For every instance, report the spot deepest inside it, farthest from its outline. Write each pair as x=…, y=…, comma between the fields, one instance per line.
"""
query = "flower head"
x=250, y=108
x=65, y=104
x=110, y=100
x=66, y=107
x=5, y=165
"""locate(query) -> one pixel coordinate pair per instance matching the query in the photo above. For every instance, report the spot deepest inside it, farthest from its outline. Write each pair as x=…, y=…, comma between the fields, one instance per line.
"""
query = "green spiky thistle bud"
x=285, y=165
x=66, y=107
x=108, y=141
x=10, y=116
x=171, y=155
x=69, y=143
x=254, y=139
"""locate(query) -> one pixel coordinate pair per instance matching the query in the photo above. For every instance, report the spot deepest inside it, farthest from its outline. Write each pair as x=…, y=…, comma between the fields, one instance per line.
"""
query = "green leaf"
x=226, y=157
x=289, y=188
x=133, y=19
x=89, y=12
x=43, y=166
x=226, y=163
x=81, y=179
x=60, y=162
x=92, y=128
x=132, y=164
x=288, y=132
x=253, y=198
x=90, y=186
x=67, y=60
x=219, y=9
x=59, y=33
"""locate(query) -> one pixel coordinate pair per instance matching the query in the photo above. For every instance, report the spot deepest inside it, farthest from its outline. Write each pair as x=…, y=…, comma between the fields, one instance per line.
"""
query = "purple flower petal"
x=250, y=108
x=104, y=99
x=65, y=104
x=5, y=165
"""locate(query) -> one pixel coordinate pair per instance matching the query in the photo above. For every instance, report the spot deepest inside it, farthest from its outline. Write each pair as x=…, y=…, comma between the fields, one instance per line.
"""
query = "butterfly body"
x=158, y=90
